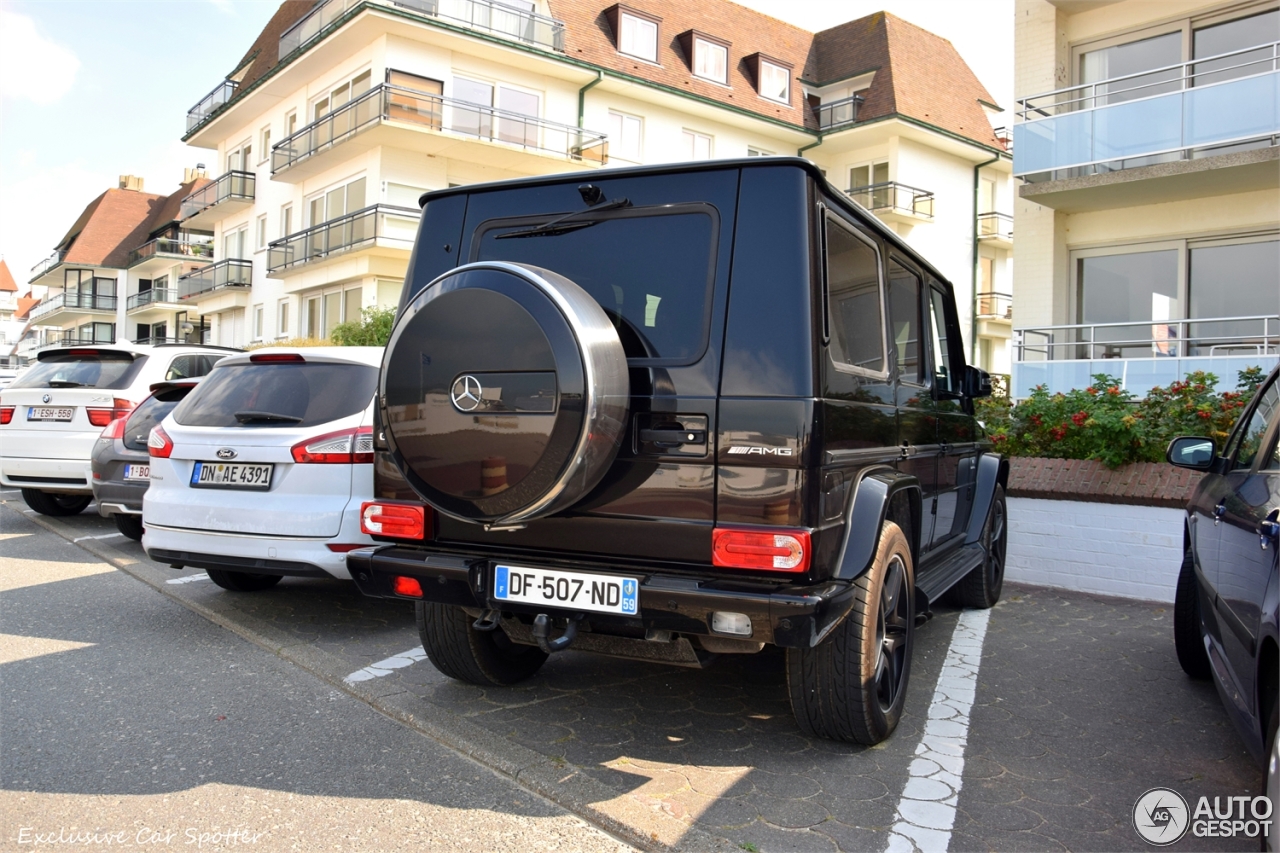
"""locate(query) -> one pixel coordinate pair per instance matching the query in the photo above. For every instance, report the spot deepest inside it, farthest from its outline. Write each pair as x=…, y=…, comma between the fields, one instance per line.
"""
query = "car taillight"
x=115, y=429
x=120, y=408
x=99, y=417
x=771, y=550
x=268, y=357
x=6, y=414
x=349, y=446
x=409, y=587
x=403, y=521
x=159, y=444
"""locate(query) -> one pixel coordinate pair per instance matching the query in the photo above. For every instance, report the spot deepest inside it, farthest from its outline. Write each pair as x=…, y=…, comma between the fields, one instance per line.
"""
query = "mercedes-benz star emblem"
x=46, y=398
x=226, y=453
x=466, y=393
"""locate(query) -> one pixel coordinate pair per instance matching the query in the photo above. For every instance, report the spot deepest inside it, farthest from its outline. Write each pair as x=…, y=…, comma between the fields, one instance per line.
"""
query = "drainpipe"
x=582, y=95
x=973, y=300
x=813, y=144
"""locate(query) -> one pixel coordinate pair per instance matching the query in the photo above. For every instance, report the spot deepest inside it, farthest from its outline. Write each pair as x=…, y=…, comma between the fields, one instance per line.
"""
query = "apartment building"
x=10, y=328
x=114, y=275
x=343, y=112
x=1148, y=213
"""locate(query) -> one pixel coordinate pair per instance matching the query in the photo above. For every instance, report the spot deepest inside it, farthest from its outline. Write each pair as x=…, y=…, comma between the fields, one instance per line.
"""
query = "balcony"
x=895, y=202
x=838, y=113
x=995, y=306
x=73, y=303
x=380, y=231
x=229, y=194
x=162, y=252
x=46, y=265
x=1154, y=116
x=150, y=298
x=432, y=124
x=485, y=16
x=1004, y=135
x=996, y=228
x=218, y=286
x=1144, y=353
x=211, y=103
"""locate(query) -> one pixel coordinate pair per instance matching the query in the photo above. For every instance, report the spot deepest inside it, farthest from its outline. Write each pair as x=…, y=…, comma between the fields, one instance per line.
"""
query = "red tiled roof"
x=25, y=304
x=113, y=224
x=7, y=284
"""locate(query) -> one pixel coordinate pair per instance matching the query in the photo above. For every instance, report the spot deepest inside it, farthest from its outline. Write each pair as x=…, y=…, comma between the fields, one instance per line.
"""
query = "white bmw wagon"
x=260, y=472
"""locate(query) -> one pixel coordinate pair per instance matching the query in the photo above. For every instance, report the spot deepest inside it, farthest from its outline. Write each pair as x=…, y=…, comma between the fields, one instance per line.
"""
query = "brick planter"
x=1142, y=483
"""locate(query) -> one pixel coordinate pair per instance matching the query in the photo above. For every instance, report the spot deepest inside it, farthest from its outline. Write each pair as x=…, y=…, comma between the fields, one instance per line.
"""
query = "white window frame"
x=786, y=75
x=260, y=233
x=703, y=49
x=630, y=29
x=257, y=322
x=756, y=151
x=282, y=318
x=264, y=144
x=639, y=123
x=286, y=219
x=242, y=155
x=690, y=140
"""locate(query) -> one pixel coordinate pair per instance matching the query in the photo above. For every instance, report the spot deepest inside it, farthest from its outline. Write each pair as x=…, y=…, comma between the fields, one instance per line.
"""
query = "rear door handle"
x=673, y=437
x=1219, y=511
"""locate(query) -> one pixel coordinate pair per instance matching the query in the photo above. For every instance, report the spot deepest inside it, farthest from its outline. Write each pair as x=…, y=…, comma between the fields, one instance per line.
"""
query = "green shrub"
x=373, y=329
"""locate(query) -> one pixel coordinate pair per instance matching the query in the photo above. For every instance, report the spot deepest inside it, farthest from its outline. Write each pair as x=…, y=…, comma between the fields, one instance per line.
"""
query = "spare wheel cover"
x=504, y=393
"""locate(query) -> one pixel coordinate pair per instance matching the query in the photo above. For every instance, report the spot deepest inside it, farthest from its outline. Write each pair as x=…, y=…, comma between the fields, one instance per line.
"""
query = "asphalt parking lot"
x=1077, y=708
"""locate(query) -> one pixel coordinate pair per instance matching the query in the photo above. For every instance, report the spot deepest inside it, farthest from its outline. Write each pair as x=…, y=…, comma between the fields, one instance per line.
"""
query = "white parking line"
x=103, y=536
x=190, y=578
x=927, y=810
x=385, y=667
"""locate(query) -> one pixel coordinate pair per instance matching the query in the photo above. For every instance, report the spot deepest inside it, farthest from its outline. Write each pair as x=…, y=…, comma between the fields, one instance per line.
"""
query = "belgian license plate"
x=567, y=590
x=137, y=472
x=49, y=413
x=230, y=475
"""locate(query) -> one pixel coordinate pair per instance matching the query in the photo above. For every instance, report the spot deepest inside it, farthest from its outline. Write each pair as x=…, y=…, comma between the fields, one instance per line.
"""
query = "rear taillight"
x=771, y=550
x=99, y=417
x=349, y=446
x=408, y=587
x=6, y=414
x=402, y=521
x=120, y=408
x=159, y=444
x=268, y=357
x=115, y=429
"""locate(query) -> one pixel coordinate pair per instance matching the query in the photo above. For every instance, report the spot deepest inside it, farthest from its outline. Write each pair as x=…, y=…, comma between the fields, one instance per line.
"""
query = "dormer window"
x=637, y=35
x=710, y=60
x=775, y=82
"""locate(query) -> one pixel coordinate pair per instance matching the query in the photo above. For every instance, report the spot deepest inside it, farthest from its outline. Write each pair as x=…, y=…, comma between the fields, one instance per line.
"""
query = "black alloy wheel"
x=891, y=634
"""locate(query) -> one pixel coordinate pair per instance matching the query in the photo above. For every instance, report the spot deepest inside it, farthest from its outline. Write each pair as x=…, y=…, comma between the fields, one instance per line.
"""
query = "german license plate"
x=230, y=475
x=49, y=413
x=137, y=472
x=567, y=590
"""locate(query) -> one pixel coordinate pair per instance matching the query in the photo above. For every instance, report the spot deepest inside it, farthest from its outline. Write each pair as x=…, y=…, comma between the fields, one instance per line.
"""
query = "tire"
x=1188, y=635
x=487, y=658
x=847, y=687
x=242, y=581
x=981, y=587
x=55, y=505
x=129, y=525
x=1272, y=783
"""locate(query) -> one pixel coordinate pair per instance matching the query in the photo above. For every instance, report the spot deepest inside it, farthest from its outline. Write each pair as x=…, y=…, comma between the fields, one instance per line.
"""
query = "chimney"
x=131, y=182
x=189, y=175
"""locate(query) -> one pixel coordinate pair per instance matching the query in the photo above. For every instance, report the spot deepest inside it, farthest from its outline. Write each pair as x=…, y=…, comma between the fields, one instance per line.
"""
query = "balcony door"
x=867, y=185
x=415, y=99
x=332, y=210
x=511, y=104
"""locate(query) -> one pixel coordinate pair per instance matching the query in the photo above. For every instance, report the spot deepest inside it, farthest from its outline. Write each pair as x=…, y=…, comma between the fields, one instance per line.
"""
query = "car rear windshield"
x=278, y=394
x=102, y=369
x=651, y=269
x=150, y=412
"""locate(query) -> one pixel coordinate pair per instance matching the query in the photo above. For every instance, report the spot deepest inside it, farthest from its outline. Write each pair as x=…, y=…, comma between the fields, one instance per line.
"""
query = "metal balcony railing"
x=73, y=300
x=995, y=306
x=487, y=16
x=894, y=197
x=1219, y=100
x=434, y=112
x=149, y=297
x=232, y=272
x=160, y=340
x=211, y=104
x=233, y=185
x=378, y=222
x=836, y=113
x=995, y=225
x=47, y=264
x=200, y=250
x=1206, y=336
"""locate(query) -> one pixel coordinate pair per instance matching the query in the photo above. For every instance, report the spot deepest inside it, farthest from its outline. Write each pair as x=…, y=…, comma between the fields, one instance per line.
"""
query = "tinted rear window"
x=316, y=392
x=82, y=369
x=150, y=412
x=651, y=270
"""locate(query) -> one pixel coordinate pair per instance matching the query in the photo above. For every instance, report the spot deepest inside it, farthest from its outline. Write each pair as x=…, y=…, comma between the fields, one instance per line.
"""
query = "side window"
x=855, y=303
x=904, y=320
x=944, y=373
x=1249, y=435
x=182, y=367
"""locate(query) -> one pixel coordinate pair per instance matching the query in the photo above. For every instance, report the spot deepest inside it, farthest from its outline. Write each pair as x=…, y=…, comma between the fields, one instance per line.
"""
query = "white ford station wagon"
x=260, y=472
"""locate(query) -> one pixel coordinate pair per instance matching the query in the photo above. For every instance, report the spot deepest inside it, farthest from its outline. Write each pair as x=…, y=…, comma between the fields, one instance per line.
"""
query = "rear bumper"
x=118, y=497
x=69, y=476
x=255, y=554
x=784, y=615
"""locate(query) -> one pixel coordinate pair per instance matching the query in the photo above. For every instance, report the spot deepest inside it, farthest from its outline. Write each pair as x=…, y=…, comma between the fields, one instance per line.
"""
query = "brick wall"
x=1154, y=484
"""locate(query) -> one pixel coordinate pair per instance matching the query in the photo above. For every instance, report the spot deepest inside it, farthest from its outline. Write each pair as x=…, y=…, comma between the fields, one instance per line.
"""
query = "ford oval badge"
x=226, y=453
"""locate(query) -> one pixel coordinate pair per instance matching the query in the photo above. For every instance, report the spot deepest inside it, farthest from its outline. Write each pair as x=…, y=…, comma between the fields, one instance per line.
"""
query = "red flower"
x=1204, y=415
x=1059, y=432
x=1035, y=419
x=1113, y=391
x=1079, y=418
x=1091, y=390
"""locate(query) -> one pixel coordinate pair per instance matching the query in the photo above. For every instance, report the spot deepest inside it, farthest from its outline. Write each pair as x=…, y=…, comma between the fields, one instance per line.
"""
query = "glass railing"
x=1122, y=121
x=73, y=301
x=211, y=103
x=840, y=112
x=893, y=197
x=233, y=272
x=232, y=185
x=380, y=222
x=437, y=113
x=995, y=226
x=998, y=306
x=482, y=15
x=148, y=297
x=47, y=264
x=202, y=250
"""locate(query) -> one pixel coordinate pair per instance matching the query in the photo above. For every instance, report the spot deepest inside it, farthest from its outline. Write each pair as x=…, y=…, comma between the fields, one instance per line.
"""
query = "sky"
x=94, y=89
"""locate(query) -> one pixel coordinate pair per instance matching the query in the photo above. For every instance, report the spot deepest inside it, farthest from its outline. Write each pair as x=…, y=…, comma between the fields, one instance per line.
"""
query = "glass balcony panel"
x=232, y=185
x=379, y=222
x=1053, y=143
x=1135, y=128
x=1237, y=109
x=232, y=272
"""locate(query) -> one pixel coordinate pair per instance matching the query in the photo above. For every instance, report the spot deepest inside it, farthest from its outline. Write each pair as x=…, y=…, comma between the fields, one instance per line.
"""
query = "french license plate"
x=567, y=590
x=49, y=413
x=137, y=472
x=230, y=475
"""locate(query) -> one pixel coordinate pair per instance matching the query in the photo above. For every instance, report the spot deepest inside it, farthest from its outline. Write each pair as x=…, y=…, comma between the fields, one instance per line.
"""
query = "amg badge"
x=751, y=449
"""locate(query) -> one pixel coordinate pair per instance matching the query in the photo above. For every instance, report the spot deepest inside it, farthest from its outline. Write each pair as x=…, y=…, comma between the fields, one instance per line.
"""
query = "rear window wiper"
x=64, y=383
x=554, y=227
x=251, y=417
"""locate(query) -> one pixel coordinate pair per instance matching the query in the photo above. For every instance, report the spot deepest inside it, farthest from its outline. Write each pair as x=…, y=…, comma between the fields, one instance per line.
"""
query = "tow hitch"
x=542, y=630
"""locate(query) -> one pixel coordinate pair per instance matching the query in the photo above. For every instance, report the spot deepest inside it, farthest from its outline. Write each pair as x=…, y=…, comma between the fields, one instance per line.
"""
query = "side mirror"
x=1191, y=451
x=977, y=382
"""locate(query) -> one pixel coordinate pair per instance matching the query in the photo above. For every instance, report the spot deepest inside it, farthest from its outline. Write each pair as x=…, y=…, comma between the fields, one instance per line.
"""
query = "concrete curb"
x=630, y=818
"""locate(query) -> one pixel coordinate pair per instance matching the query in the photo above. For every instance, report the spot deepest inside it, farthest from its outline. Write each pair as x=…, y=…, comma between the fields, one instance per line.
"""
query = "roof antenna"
x=591, y=194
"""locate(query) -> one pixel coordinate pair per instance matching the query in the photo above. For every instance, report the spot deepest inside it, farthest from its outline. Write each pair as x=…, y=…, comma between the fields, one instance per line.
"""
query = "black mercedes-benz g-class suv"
x=668, y=413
